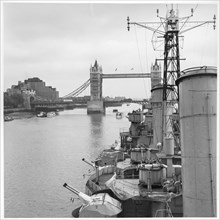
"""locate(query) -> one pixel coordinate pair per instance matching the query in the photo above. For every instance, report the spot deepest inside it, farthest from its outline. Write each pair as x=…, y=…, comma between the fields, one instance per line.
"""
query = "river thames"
x=41, y=154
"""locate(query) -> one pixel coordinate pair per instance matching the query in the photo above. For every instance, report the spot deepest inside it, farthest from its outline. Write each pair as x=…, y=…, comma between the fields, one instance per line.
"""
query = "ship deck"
x=104, y=178
x=131, y=188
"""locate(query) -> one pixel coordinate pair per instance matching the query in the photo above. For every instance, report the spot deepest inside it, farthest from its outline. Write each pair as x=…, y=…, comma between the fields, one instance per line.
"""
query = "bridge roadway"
x=125, y=75
x=78, y=103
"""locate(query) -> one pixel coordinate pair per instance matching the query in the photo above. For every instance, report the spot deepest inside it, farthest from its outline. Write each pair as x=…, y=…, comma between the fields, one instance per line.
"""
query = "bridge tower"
x=155, y=74
x=28, y=97
x=95, y=105
x=95, y=82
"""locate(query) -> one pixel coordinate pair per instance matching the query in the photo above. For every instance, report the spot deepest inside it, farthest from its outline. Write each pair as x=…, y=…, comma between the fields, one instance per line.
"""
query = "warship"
x=165, y=165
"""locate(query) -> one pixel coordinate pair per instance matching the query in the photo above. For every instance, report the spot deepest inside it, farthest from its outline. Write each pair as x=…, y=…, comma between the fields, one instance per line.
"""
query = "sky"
x=58, y=42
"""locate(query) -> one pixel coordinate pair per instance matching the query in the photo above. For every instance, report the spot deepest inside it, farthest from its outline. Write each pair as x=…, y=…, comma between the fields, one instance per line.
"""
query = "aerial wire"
x=204, y=47
x=195, y=7
x=146, y=60
x=140, y=59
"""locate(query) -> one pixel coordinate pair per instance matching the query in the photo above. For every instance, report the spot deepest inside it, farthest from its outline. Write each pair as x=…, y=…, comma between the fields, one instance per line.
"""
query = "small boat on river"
x=47, y=114
x=8, y=118
x=51, y=114
x=42, y=115
x=119, y=115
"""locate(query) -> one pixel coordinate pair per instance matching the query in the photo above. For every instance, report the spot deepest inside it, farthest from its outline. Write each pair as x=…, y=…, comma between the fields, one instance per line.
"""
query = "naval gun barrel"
x=83, y=197
x=84, y=160
x=70, y=188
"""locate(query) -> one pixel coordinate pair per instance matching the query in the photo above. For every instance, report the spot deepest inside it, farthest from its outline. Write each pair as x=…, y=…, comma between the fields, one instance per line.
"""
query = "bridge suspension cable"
x=79, y=90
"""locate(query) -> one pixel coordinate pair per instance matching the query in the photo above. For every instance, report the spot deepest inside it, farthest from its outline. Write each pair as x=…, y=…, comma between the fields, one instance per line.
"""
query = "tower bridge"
x=96, y=104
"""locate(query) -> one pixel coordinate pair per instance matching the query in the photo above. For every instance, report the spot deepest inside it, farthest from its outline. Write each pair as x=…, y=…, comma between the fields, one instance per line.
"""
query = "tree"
x=7, y=100
x=14, y=100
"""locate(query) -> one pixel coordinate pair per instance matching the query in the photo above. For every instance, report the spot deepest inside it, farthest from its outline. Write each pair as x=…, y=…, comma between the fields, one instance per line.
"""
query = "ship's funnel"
x=198, y=125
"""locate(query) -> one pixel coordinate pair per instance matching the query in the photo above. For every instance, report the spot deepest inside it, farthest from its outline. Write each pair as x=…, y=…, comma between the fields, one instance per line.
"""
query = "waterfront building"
x=34, y=87
x=41, y=89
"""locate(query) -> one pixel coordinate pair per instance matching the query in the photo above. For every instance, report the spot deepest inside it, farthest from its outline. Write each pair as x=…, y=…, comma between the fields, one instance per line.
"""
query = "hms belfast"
x=165, y=166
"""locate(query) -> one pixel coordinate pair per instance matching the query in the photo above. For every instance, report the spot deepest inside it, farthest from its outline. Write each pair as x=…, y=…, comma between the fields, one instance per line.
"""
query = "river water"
x=41, y=154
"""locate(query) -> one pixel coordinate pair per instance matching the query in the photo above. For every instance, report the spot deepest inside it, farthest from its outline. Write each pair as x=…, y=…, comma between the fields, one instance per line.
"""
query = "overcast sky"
x=59, y=42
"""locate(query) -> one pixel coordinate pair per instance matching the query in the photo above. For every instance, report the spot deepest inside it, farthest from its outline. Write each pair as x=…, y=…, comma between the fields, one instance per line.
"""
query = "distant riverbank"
x=19, y=113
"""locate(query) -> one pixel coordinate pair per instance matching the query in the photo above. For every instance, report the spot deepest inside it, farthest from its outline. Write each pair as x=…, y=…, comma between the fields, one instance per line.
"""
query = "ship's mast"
x=170, y=28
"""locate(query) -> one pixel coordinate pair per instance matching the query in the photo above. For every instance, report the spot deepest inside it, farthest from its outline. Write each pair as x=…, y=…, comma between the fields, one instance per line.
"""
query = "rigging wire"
x=154, y=42
x=140, y=59
x=204, y=47
x=195, y=7
x=146, y=61
x=188, y=18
